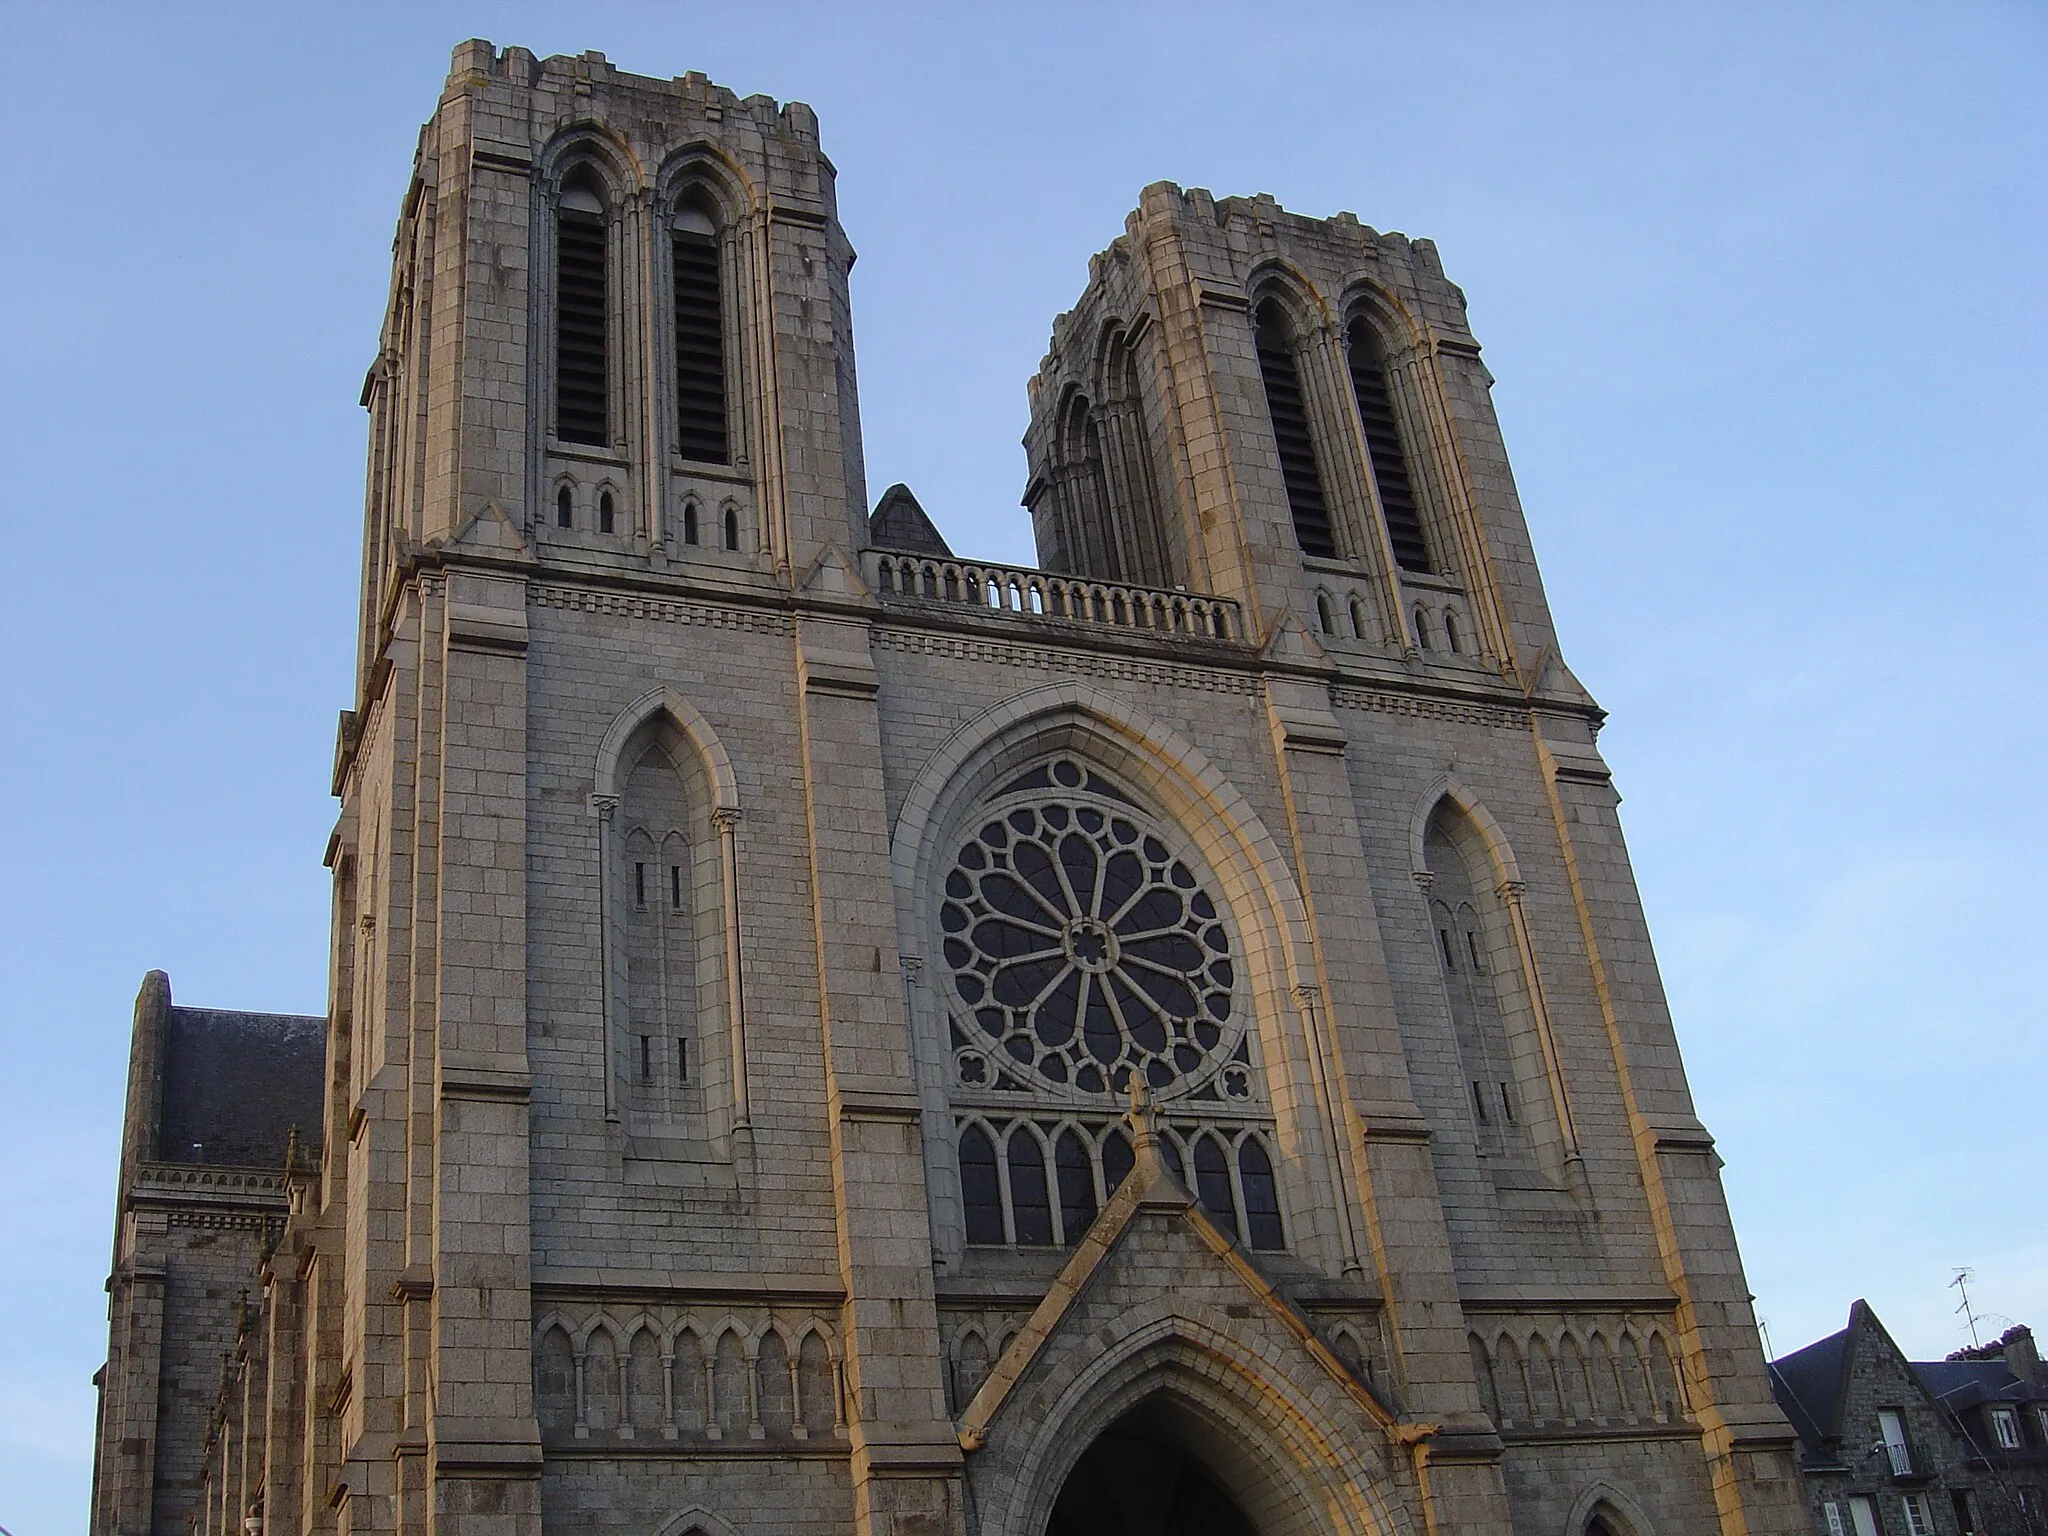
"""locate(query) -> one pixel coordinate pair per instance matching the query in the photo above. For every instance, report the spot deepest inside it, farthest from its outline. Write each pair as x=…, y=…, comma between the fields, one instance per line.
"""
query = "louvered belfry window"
x=700, y=343
x=1291, y=434
x=581, y=385
x=1383, y=444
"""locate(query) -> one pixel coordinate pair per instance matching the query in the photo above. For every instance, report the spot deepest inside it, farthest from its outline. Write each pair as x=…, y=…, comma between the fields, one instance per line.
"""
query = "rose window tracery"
x=1083, y=948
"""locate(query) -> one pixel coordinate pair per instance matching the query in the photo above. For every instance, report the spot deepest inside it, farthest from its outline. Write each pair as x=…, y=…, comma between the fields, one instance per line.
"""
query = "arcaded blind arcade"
x=828, y=1034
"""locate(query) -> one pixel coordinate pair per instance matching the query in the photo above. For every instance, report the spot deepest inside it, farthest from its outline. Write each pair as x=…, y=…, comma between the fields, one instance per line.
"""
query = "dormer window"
x=701, y=425
x=581, y=378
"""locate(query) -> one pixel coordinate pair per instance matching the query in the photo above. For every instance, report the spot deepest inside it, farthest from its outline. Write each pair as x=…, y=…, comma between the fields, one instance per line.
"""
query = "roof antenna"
x=1961, y=1283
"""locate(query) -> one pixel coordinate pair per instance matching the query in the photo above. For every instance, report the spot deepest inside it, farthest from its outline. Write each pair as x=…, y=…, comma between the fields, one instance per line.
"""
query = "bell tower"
x=618, y=328
x=1291, y=412
x=613, y=431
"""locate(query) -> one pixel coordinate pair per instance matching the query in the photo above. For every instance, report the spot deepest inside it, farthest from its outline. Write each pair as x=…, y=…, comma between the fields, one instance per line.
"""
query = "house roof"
x=236, y=1084
x=1966, y=1383
x=1808, y=1386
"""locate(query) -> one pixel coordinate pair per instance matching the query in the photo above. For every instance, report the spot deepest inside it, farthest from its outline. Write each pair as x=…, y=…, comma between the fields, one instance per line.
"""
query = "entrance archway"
x=1142, y=1477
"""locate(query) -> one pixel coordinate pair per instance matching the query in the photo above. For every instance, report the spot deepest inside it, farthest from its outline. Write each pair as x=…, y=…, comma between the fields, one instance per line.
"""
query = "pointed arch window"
x=980, y=1190
x=1075, y=1172
x=1261, y=1195
x=1212, y=1183
x=1473, y=985
x=1286, y=404
x=582, y=383
x=1030, y=1198
x=1384, y=448
x=701, y=417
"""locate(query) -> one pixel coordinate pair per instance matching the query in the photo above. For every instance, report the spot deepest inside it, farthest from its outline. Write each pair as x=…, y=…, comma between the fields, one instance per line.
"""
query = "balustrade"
x=895, y=575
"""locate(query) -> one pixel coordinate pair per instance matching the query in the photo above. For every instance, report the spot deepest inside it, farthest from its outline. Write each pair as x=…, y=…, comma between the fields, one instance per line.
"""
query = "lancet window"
x=1481, y=982
x=582, y=314
x=1288, y=408
x=702, y=426
x=1385, y=448
x=665, y=915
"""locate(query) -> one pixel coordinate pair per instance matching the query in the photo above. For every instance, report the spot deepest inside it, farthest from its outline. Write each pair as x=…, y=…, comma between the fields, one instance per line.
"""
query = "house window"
x=1863, y=1515
x=605, y=512
x=2005, y=1427
x=1966, y=1516
x=1893, y=1429
x=581, y=384
x=1917, y=1521
x=1285, y=404
x=565, y=508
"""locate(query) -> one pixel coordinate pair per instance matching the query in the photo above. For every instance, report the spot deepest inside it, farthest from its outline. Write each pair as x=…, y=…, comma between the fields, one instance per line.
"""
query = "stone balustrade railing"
x=894, y=574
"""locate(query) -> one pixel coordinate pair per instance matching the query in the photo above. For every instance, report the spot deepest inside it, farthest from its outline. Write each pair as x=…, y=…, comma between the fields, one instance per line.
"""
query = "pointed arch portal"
x=1142, y=1477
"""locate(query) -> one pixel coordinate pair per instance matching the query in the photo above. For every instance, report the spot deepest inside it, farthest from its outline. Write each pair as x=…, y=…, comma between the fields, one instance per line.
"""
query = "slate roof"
x=898, y=522
x=1808, y=1386
x=235, y=1084
x=1966, y=1383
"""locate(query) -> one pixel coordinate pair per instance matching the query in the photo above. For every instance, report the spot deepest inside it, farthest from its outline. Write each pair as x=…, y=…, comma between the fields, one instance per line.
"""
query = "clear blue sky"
x=1762, y=285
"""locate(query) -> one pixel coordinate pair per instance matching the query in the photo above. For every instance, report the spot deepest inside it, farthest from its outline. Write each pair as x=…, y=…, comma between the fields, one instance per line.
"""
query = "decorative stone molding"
x=1063, y=663
x=1490, y=716
x=634, y=605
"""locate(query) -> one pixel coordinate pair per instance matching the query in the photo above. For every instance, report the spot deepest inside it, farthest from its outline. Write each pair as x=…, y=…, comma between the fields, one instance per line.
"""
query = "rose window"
x=1084, y=949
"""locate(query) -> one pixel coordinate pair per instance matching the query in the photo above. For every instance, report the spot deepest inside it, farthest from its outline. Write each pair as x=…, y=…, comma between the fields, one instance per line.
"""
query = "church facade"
x=830, y=1034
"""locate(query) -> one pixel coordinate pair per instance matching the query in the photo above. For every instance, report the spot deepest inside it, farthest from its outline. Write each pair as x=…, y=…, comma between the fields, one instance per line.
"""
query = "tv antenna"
x=1961, y=1284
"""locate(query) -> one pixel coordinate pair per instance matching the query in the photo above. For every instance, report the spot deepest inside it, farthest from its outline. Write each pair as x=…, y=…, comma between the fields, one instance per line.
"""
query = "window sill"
x=589, y=453
x=701, y=469
x=1433, y=581
x=1326, y=567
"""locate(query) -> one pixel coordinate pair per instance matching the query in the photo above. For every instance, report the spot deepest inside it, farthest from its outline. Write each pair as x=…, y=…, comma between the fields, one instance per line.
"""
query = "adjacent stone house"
x=1893, y=1447
x=218, y=1105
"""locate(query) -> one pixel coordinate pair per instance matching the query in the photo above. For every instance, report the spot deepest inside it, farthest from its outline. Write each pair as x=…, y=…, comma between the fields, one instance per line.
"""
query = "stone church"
x=826, y=1034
